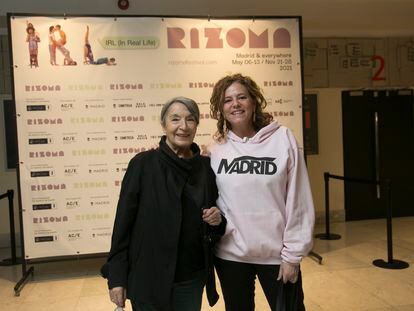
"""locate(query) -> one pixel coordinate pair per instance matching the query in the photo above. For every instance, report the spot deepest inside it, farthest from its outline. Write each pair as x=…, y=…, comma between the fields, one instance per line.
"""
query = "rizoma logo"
x=128, y=119
x=248, y=165
x=46, y=187
x=178, y=38
x=126, y=86
x=85, y=87
x=46, y=154
x=42, y=88
x=91, y=217
x=90, y=184
x=87, y=120
x=127, y=150
x=49, y=219
x=44, y=121
x=88, y=152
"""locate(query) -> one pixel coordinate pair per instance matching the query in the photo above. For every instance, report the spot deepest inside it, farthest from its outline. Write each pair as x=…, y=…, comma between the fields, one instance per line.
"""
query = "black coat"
x=146, y=232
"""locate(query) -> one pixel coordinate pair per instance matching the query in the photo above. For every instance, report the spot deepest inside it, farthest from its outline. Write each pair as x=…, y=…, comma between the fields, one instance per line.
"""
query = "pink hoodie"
x=265, y=195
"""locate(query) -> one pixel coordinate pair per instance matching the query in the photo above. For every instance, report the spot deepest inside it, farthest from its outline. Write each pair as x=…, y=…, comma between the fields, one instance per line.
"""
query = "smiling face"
x=238, y=108
x=180, y=127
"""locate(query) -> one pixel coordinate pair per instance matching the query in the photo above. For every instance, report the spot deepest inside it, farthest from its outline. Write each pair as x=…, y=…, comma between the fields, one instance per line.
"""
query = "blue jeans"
x=186, y=296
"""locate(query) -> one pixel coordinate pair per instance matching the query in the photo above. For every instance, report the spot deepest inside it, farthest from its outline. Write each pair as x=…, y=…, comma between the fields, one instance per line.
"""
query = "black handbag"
x=290, y=296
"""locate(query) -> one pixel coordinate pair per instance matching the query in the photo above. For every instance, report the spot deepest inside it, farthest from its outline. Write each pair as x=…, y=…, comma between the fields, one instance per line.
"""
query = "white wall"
x=330, y=156
x=321, y=18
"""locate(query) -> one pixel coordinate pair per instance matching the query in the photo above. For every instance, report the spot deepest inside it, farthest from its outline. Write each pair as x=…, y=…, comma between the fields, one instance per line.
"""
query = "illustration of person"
x=33, y=39
x=87, y=49
x=105, y=60
x=88, y=54
x=52, y=46
x=59, y=37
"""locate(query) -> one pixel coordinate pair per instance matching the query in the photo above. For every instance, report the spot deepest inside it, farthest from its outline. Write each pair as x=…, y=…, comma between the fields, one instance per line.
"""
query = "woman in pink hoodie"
x=264, y=193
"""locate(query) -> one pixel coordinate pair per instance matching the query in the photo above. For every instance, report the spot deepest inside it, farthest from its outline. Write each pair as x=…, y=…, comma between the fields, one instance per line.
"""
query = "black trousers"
x=237, y=281
x=186, y=296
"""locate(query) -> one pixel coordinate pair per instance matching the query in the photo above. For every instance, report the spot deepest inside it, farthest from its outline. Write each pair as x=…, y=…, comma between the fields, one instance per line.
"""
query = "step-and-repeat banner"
x=89, y=92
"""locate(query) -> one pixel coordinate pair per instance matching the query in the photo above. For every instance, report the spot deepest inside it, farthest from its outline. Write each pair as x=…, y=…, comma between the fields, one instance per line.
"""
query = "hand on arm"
x=212, y=216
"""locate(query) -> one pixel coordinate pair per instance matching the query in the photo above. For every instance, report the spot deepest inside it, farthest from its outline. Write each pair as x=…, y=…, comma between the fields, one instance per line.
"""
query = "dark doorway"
x=378, y=138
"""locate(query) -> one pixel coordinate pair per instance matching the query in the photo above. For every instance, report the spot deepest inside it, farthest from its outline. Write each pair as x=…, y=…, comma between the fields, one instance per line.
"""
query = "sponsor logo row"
x=73, y=204
x=73, y=235
x=71, y=106
x=72, y=138
x=86, y=120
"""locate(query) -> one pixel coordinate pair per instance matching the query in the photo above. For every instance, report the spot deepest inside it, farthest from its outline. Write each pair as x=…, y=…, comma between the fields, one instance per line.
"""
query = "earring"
x=254, y=116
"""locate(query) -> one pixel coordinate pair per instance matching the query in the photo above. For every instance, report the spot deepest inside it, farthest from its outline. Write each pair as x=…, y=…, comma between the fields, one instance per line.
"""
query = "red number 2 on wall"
x=379, y=71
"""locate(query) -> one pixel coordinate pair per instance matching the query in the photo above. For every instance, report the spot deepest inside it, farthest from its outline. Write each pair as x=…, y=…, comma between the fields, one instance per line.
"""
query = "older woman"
x=165, y=225
x=265, y=194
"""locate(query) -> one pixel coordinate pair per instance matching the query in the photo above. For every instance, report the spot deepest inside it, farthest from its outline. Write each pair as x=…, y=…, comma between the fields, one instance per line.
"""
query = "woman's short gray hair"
x=190, y=104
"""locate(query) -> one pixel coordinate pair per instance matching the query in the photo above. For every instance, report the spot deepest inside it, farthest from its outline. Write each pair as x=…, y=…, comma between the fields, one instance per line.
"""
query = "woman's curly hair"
x=260, y=118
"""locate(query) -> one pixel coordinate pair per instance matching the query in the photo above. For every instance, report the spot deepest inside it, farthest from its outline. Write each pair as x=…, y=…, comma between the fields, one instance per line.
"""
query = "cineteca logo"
x=45, y=238
x=43, y=206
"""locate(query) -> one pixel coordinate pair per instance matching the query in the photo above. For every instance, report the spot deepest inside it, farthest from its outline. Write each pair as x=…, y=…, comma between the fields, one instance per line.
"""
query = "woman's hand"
x=288, y=272
x=212, y=216
x=118, y=296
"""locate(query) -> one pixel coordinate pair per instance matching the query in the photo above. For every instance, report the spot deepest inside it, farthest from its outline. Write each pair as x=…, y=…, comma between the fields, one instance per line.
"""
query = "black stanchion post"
x=13, y=260
x=10, y=194
x=327, y=235
x=392, y=263
x=389, y=222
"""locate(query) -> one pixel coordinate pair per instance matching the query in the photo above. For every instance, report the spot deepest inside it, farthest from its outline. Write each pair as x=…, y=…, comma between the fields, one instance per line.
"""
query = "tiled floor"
x=346, y=280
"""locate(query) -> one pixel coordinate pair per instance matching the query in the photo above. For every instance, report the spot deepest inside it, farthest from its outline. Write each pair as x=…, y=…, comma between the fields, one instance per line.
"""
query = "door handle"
x=377, y=156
